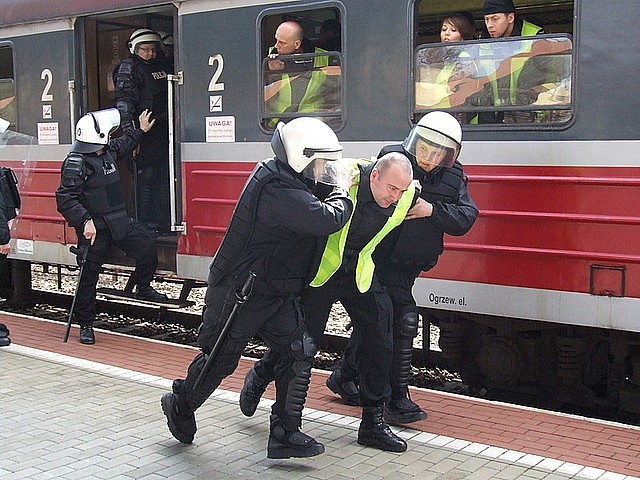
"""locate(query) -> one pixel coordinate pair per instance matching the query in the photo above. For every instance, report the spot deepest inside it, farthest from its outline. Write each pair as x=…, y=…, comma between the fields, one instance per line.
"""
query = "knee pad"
x=406, y=325
x=93, y=266
x=301, y=344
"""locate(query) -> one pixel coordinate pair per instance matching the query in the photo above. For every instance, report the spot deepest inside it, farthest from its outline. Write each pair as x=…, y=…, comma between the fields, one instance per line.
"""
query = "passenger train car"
x=542, y=297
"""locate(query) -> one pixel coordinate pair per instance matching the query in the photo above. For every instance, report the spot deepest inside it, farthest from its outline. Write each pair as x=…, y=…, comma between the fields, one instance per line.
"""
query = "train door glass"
x=523, y=80
x=306, y=78
x=7, y=86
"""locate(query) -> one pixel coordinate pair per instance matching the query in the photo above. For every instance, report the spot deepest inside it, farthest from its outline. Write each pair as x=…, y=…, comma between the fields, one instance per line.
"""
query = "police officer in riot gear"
x=444, y=206
x=347, y=273
x=9, y=202
x=167, y=46
x=141, y=84
x=274, y=233
x=90, y=199
x=9, y=205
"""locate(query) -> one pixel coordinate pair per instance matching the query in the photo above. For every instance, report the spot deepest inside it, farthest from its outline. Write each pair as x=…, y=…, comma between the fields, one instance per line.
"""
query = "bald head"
x=289, y=37
x=390, y=178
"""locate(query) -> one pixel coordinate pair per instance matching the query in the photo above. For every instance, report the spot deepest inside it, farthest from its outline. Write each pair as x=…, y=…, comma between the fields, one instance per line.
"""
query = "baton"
x=241, y=296
x=81, y=254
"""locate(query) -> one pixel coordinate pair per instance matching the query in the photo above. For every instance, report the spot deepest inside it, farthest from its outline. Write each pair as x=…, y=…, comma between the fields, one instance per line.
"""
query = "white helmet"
x=93, y=130
x=143, y=35
x=166, y=38
x=435, y=140
x=308, y=146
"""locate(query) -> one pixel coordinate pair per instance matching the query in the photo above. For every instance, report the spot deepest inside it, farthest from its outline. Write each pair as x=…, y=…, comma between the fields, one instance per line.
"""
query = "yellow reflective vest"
x=312, y=100
x=517, y=64
x=334, y=250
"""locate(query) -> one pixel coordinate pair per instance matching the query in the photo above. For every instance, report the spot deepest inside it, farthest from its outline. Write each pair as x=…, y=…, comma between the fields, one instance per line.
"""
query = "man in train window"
x=141, y=84
x=274, y=233
x=296, y=85
x=329, y=37
x=90, y=199
x=501, y=21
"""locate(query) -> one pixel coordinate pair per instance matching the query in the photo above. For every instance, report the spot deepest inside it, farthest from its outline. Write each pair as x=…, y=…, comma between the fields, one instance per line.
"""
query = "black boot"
x=401, y=409
x=86, y=335
x=284, y=444
x=4, y=336
x=373, y=432
x=347, y=389
x=182, y=427
x=149, y=294
x=253, y=388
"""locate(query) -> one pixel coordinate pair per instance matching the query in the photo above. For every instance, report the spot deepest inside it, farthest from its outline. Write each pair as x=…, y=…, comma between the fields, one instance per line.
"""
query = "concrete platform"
x=71, y=411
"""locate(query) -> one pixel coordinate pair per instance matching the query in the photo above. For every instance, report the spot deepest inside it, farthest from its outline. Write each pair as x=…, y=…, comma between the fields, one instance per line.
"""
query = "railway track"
x=174, y=324
x=52, y=292
x=51, y=299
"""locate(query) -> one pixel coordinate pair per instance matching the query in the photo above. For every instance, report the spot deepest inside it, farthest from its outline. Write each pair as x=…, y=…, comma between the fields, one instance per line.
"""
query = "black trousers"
x=279, y=321
x=370, y=314
x=5, y=274
x=137, y=243
x=152, y=179
x=398, y=283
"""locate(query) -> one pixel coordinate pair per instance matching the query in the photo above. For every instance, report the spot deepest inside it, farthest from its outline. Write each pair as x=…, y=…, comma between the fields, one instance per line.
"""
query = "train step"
x=131, y=297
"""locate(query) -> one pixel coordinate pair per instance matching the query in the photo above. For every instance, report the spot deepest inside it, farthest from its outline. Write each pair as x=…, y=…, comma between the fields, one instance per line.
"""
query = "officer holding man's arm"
x=444, y=206
x=346, y=272
x=90, y=199
x=275, y=233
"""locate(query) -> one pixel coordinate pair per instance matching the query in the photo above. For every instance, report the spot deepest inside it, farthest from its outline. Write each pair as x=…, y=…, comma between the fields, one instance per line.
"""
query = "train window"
x=7, y=86
x=524, y=79
x=301, y=66
x=527, y=80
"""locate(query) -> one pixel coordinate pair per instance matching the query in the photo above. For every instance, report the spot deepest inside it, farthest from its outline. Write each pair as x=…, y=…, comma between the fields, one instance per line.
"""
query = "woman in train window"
x=459, y=66
x=457, y=27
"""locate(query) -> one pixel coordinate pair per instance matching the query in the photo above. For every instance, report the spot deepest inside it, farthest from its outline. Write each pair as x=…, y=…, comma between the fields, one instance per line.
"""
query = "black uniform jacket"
x=6, y=214
x=416, y=244
x=290, y=225
x=71, y=198
x=140, y=86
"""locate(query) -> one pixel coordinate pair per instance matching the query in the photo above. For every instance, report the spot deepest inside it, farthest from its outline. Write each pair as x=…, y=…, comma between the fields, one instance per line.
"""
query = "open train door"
x=175, y=81
x=102, y=41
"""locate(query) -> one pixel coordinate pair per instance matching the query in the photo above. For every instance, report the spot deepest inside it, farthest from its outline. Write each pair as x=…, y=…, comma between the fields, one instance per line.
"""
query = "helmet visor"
x=431, y=148
x=106, y=121
x=327, y=171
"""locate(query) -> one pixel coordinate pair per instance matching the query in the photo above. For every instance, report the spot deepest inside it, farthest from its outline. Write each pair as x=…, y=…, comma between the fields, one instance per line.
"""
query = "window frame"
x=12, y=80
x=260, y=48
x=413, y=115
x=528, y=108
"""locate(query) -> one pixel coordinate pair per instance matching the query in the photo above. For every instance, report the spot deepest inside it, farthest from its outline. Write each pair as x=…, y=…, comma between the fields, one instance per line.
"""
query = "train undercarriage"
x=550, y=364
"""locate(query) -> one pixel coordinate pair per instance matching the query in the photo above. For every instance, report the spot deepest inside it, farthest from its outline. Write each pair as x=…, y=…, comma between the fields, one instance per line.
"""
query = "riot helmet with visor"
x=435, y=141
x=94, y=129
x=309, y=147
